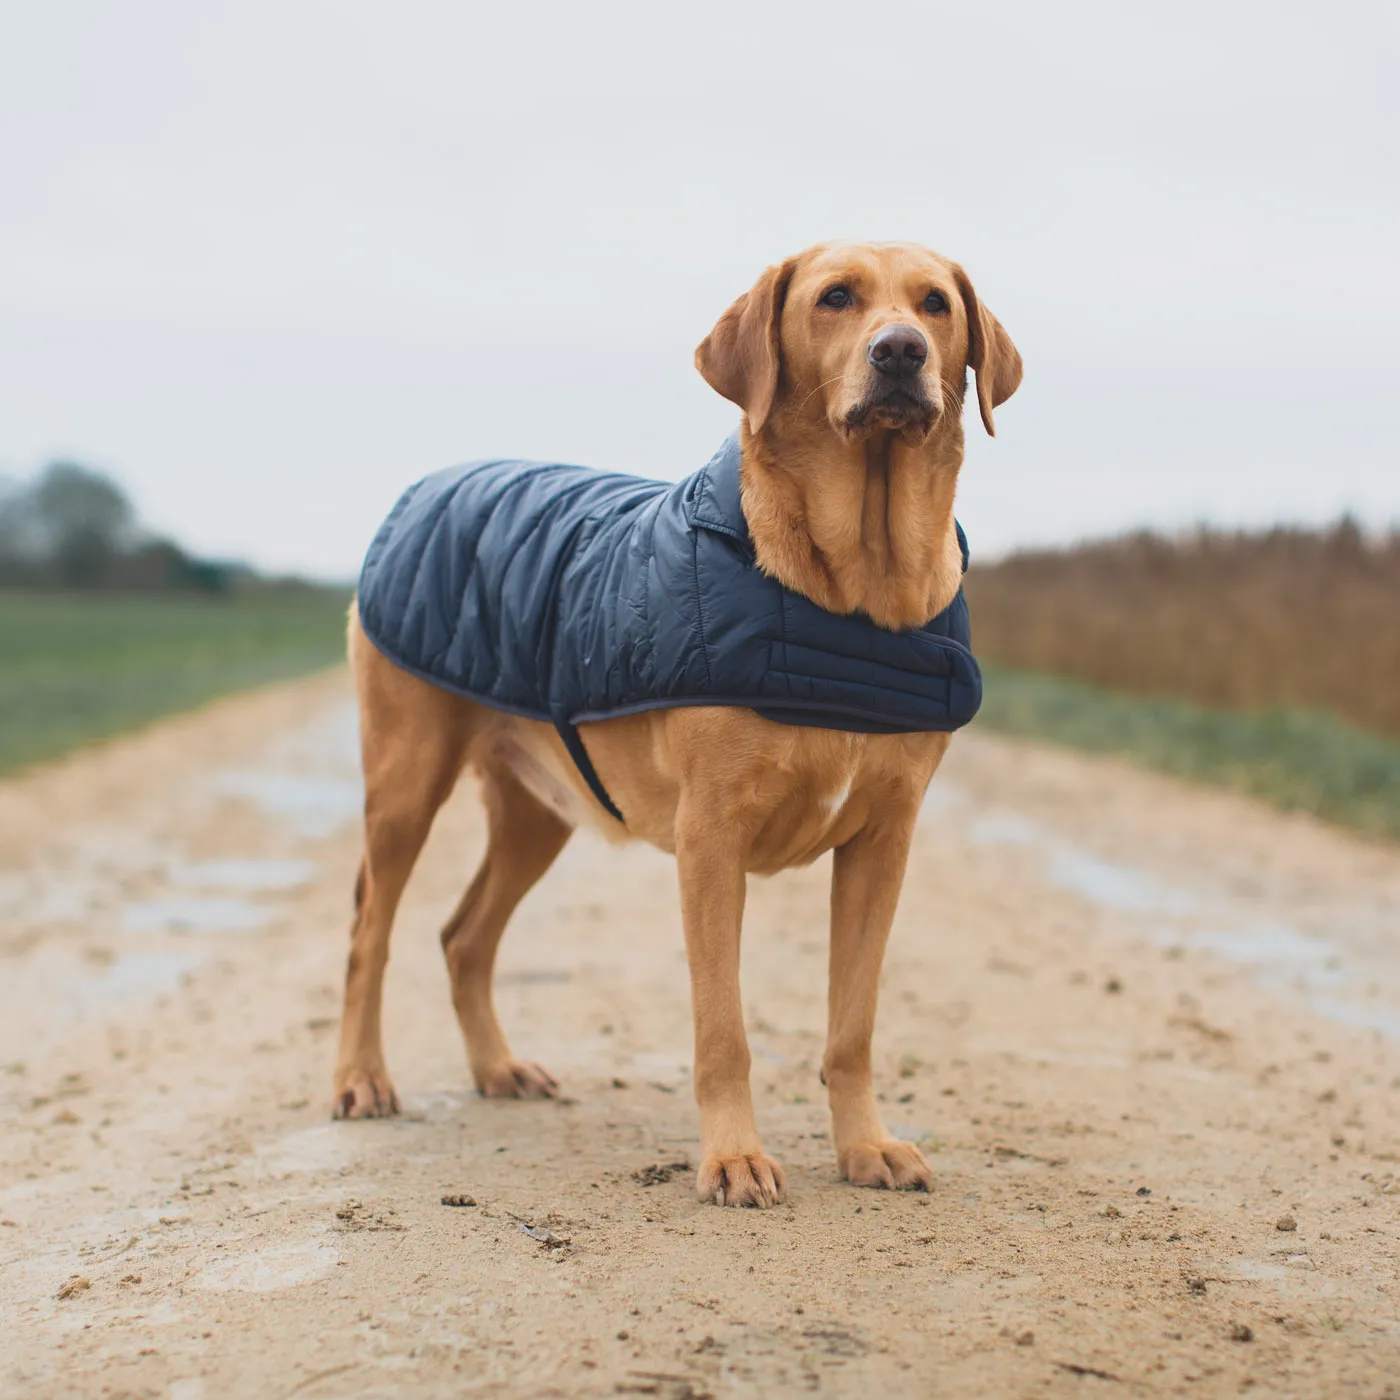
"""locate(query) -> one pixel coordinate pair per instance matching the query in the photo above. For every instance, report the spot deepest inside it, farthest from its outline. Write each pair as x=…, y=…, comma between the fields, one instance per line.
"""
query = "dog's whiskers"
x=818, y=389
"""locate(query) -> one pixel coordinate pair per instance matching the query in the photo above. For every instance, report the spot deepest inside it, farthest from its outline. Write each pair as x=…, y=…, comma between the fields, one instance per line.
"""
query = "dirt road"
x=1150, y=1037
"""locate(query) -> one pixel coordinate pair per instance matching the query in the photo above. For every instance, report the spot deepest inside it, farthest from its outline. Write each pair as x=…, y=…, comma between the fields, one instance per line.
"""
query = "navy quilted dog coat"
x=568, y=595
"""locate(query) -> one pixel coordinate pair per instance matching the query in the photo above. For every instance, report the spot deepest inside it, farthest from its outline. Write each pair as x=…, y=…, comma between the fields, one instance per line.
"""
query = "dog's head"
x=867, y=336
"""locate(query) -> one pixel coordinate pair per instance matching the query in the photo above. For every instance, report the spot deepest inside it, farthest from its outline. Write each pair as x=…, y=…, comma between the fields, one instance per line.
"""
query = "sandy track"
x=1136, y=1026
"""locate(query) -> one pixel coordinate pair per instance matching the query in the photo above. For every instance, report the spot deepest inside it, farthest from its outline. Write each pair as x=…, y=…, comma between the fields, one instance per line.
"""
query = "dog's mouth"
x=899, y=407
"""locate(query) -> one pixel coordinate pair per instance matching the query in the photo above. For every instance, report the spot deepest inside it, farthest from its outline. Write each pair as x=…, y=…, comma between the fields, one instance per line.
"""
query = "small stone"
x=1111, y=1213
x=458, y=1199
x=1286, y=1223
x=75, y=1285
x=1144, y=1190
x=1196, y=1284
x=1113, y=985
x=1026, y=1339
x=1241, y=1332
x=624, y=1335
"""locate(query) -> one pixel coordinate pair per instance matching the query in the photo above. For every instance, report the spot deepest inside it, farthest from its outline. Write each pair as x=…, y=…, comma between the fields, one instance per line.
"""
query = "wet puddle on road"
x=311, y=806
x=309, y=781
x=76, y=986
x=117, y=950
x=1281, y=957
x=188, y=914
x=253, y=876
x=130, y=974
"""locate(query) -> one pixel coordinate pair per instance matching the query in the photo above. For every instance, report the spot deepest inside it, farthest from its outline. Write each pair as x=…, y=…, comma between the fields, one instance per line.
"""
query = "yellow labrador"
x=850, y=363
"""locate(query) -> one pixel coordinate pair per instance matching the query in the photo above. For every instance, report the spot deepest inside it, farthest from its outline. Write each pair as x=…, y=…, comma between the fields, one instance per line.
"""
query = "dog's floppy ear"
x=990, y=354
x=740, y=358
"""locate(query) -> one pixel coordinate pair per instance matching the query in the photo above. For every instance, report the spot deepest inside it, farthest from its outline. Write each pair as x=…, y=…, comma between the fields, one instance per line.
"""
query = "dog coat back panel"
x=567, y=594
x=482, y=573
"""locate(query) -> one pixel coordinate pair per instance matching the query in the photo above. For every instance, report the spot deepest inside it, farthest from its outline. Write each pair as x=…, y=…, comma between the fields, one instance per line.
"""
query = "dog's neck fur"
x=857, y=525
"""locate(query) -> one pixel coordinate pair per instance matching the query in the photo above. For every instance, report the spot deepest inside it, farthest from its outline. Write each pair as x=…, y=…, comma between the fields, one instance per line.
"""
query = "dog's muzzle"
x=896, y=394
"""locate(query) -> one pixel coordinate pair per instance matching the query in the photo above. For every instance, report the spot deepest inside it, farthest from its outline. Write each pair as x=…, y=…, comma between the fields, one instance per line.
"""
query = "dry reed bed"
x=1290, y=617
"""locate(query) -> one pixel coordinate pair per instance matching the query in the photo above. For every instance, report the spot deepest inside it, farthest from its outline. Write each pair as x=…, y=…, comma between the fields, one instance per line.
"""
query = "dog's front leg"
x=866, y=877
x=734, y=1169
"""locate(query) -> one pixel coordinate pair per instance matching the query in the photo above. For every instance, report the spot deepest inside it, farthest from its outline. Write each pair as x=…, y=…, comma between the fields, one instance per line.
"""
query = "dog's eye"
x=935, y=302
x=837, y=297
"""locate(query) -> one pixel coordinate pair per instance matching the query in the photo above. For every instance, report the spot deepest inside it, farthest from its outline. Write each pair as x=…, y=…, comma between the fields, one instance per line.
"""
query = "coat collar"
x=716, y=504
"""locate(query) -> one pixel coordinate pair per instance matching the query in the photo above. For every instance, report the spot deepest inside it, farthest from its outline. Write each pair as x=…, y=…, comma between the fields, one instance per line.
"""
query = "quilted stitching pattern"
x=567, y=594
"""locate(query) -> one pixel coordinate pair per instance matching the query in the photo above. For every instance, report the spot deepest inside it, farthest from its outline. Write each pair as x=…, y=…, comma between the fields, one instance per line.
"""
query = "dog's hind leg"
x=524, y=837
x=412, y=738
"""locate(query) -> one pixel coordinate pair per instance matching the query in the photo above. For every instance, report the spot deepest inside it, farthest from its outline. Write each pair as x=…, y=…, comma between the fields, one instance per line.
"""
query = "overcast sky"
x=269, y=262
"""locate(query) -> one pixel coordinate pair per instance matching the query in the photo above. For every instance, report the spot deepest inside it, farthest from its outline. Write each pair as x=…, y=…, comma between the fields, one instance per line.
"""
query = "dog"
x=850, y=364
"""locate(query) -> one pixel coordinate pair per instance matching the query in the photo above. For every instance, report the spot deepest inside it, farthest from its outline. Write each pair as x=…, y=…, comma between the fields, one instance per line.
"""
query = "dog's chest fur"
x=800, y=792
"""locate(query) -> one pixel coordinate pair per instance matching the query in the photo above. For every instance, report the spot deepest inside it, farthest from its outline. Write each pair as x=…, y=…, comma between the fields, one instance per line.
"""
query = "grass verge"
x=1300, y=760
x=78, y=667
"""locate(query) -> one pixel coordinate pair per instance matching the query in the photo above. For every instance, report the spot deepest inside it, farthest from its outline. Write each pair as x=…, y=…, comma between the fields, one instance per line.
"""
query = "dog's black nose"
x=898, y=350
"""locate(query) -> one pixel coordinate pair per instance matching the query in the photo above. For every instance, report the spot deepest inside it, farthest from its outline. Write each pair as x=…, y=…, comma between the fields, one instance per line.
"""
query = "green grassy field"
x=77, y=667
x=1296, y=759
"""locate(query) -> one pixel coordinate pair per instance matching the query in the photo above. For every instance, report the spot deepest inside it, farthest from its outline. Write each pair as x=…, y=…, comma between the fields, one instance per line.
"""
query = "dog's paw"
x=753, y=1179
x=517, y=1079
x=891, y=1165
x=364, y=1094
